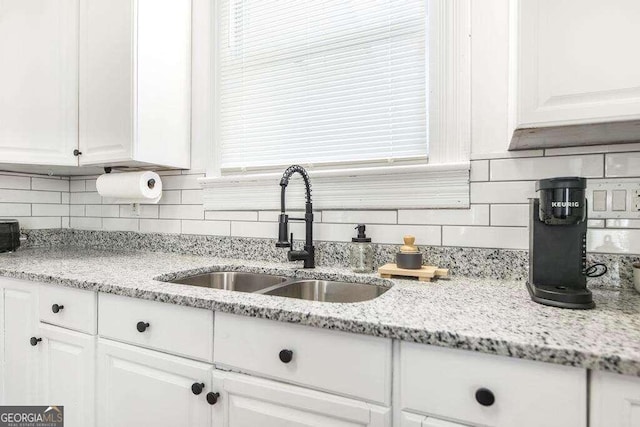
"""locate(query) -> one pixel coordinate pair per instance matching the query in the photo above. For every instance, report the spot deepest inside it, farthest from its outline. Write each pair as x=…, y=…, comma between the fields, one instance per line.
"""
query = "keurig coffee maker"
x=558, y=244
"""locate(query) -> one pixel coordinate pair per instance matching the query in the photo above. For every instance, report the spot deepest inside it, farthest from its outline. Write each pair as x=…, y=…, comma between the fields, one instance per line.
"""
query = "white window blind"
x=321, y=81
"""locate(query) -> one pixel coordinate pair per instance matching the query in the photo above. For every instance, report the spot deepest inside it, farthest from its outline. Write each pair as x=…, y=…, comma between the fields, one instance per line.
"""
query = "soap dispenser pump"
x=361, y=251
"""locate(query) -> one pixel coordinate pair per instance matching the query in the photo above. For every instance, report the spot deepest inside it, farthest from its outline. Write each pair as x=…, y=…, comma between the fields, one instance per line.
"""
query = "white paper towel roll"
x=130, y=187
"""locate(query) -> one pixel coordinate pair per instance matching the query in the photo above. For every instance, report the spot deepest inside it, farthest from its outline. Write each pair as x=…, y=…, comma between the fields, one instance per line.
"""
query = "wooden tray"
x=425, y=274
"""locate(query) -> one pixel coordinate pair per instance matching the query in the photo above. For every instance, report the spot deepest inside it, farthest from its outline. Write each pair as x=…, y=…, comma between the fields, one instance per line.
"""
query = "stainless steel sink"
x=233, y=281
x=327, y=291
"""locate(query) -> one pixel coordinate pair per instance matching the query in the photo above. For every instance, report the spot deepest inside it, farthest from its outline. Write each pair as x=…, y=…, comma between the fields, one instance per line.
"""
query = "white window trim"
x=442, y=182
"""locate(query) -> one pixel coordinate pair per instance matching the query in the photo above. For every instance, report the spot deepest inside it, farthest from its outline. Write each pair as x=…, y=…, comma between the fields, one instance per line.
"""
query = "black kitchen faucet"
x=284, y=240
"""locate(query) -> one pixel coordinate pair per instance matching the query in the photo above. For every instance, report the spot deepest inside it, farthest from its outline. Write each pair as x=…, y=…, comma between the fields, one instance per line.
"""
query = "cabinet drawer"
x=172, y=328
x=444, y=383
x=69, y=308
x=340, y=362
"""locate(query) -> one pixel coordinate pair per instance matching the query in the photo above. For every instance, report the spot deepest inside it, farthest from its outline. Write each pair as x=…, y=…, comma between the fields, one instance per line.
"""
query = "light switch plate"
x=622, y=198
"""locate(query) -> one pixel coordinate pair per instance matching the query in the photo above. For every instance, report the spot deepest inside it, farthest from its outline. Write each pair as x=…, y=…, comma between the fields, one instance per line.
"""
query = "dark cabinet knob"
x=142, y=326
x=485, y=397
x=212, y=398
x=34, y=341
x=77, y=152
x=196, y=388
x=56, y=308
x=286, y=356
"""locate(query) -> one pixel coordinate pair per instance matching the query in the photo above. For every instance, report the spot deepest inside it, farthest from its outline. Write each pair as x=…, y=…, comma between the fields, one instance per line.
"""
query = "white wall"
x=38, y=202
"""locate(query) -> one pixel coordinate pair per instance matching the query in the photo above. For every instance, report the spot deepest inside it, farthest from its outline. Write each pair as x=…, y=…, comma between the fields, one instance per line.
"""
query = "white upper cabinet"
x=38, y=81
x=577, y=62
x=135, y=82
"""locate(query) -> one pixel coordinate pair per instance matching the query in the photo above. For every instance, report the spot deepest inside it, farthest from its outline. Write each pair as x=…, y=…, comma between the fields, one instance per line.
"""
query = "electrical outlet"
x=635, y=200
x=613, y=198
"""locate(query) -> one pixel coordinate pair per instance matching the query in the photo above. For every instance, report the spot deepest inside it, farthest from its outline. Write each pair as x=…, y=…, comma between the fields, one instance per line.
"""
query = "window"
x=370, y=93
x=316, y=82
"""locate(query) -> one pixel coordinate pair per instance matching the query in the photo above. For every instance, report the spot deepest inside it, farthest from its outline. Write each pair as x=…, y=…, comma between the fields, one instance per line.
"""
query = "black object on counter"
x=558, y=244
x=9, y=235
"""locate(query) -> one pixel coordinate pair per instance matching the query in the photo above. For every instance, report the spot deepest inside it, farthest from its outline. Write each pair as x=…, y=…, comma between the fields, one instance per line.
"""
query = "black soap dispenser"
x=361, y=251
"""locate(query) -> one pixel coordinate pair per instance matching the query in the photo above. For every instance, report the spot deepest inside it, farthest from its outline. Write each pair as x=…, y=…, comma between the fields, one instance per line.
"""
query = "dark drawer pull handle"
x=485, y=397
x=196, y=388
x=212, y=398
x=142, y=326
x=34, y=341
x=56, y=308
x=286, y=356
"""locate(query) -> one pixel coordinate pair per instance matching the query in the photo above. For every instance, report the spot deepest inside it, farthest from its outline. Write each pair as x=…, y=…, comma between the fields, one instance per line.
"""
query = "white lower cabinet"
x=247, y=401
x=615, y=400
x=139, y=387
x=20, y=358
x=408, y=419
x=67, y=372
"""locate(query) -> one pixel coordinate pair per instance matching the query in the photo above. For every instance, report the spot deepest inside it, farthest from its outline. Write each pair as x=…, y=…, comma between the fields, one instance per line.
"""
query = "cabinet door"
x=139, y=387
x=20, y=357
x=248, y=402
x=574, y=61
x=106, y=81
x=615, y=400
x=39, y=81
x=67, y=371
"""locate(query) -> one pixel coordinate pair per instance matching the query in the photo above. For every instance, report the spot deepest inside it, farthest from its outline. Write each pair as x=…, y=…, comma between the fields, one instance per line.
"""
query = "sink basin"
x=233, y=281
x=328, y=291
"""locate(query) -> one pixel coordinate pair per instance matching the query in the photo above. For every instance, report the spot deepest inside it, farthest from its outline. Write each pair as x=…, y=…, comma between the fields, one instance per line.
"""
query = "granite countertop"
x=489, y=316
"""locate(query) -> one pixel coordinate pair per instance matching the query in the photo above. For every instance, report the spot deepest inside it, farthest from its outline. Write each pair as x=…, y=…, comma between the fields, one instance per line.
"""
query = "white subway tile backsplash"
x=76, y=185
x=15, y=182
x=170, y=197
x=614, y=241
x=182, y=211
x=231, y=216
x=191, y=197
x=65, y=222
x=475, y=215
x=502, y=192
x=120, y=224
x=90, y=185
x=145, y=211
x=49, y=210
x=621, y=165
x=479, y=170
x=622, y=223
x=212, y=228
x=8, y=210
x=64, y=198
x=360, y=217
x=104, y=211
x=172, y=226
x=84, y=198
x=38, y=222
x=85, y=223
x=392, y=234
x=76, y=210
x=265, y=230
x=50, y=184
x=486, y=237
x=29, y=196
x=181, y=182
x=510, y=215
x=589, y=166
